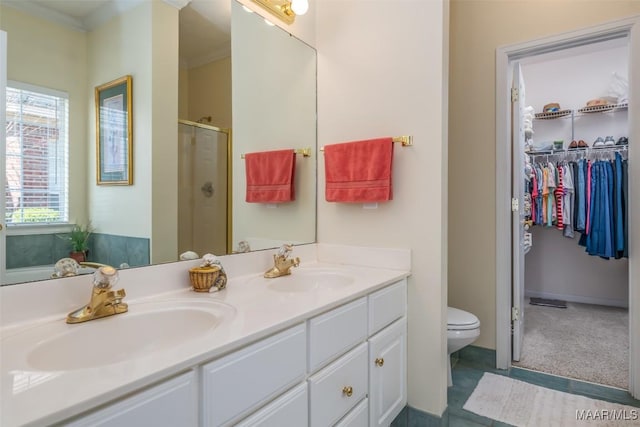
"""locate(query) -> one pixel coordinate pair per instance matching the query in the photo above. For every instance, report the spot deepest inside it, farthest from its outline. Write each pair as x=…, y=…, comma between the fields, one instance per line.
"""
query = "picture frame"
x=114, y=132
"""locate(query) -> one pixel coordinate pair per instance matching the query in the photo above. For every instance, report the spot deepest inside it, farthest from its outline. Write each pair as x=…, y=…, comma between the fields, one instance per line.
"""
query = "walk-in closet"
x=576, y=271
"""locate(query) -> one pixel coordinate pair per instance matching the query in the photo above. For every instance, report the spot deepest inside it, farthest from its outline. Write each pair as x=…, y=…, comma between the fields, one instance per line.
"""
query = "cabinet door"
x=289, y=410
x=388, y=373
x=172, y=403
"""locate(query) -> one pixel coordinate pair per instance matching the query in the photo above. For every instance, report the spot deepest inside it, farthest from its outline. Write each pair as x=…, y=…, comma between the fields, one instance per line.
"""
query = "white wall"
x=558, y=268
x=45, y=54
x=574, y=76
x=383, y=71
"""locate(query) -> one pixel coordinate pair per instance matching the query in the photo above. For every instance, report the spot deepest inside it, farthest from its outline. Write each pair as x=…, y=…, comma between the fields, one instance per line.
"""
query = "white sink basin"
x=309, y=281
x=147, y=328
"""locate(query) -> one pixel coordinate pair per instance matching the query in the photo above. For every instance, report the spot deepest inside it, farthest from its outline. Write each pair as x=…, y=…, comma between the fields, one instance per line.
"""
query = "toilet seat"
x=460, y=320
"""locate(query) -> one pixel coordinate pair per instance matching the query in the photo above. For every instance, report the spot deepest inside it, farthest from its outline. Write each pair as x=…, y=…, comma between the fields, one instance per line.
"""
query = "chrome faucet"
x=104, y=302
x=282, y=262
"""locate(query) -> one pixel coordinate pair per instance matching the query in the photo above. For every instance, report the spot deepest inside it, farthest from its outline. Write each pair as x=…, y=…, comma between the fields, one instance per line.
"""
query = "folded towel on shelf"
x=359, y=171
x=270, y=176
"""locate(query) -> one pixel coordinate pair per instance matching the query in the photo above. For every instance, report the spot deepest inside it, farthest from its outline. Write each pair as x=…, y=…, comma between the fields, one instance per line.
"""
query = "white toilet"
x=463, y=328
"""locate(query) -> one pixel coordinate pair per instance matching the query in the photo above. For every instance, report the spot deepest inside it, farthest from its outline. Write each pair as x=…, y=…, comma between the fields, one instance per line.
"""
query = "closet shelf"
x=581, y=111
x=582, y=152
x=553, y=115
x=604, y=108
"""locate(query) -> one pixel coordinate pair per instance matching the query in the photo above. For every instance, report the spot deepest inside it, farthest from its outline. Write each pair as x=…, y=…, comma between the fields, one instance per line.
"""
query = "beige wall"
x=183, y=92
x=209, y=93
x=48, y=55
x=124, y=210
x=477, y=29
x=382, y=71
x=164, y=103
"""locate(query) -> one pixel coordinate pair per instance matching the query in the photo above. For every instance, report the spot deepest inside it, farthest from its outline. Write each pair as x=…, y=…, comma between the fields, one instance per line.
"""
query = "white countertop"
x=35, y=397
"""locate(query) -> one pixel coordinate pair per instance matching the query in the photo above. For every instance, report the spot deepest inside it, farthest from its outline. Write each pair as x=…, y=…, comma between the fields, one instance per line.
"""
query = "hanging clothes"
x=568, y=201
x=587, y=196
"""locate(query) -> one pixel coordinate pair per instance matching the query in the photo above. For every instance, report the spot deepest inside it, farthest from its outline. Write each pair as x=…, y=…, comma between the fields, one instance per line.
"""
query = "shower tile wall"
x=115, y=250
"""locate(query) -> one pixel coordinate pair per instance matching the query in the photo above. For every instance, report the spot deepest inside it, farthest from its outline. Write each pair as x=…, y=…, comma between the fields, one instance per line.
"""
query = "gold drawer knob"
x=347, y=391
x=380, y=362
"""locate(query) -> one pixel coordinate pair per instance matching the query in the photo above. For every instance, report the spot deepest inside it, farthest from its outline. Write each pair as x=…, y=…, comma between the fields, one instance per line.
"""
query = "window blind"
x=37, y=155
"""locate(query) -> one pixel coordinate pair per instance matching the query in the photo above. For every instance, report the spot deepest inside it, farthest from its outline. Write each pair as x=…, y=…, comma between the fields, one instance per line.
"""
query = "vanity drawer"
x=241, y=381
x=332, y=334
x=173, y=402
x=358, y=417
x=387, y=305
x=289, y=410
x=328, y=397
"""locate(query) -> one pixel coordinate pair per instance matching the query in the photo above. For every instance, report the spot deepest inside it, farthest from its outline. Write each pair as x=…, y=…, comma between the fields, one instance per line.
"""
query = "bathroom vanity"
x=323, y=346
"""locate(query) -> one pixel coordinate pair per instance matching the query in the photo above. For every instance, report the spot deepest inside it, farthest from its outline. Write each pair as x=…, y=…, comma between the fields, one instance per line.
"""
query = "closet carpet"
x=583, y=341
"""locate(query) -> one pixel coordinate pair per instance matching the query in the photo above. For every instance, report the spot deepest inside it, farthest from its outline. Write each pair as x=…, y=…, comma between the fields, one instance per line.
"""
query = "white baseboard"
x=580, y=299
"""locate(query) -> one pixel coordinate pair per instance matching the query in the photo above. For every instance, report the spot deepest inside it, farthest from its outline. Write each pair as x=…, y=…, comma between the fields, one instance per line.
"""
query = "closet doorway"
x=601, y=296
x=575, y=301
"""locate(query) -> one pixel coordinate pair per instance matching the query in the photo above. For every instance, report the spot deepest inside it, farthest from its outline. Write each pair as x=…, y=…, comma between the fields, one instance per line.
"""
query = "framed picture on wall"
x=114, y=155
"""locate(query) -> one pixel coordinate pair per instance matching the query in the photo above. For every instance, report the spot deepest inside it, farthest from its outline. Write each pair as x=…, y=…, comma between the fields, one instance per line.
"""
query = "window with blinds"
x=37, y=155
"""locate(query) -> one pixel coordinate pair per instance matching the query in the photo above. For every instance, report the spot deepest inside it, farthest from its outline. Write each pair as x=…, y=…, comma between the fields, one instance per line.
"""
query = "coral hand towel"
x=270, y=176
x=359, y=171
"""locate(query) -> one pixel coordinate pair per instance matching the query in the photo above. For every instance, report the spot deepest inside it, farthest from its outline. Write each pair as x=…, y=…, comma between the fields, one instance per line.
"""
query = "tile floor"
x=473, y=361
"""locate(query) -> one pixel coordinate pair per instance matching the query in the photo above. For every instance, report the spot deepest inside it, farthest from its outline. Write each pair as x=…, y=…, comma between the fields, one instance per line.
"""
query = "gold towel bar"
x=306, y=152
x=405, y=140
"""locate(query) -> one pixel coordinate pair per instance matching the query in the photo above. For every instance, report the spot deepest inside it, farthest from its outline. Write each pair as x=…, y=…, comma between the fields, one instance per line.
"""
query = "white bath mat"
x=522, y=404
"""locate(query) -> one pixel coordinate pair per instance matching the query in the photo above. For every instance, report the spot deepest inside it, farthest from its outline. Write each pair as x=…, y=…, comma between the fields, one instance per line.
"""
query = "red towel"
x=359, y=171
x=270, y=176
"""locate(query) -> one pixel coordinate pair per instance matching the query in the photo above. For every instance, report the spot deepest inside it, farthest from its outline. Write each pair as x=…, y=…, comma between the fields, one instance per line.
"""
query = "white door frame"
x=629, y=27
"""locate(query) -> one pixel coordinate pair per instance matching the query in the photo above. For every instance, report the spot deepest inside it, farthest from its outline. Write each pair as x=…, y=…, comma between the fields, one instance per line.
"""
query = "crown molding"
x=108, y=11
x=92, y=21
x=45, y=13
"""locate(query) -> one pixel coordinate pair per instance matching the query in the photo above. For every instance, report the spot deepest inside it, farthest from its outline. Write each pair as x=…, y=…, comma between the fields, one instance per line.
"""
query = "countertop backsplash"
x=56, y=297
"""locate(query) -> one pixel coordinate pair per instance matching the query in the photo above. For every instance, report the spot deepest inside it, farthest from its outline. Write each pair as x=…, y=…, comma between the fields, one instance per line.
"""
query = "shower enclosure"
x=204, y=188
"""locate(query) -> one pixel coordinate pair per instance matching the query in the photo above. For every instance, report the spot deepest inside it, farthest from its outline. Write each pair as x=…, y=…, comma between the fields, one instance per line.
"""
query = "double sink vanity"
x=323, y=346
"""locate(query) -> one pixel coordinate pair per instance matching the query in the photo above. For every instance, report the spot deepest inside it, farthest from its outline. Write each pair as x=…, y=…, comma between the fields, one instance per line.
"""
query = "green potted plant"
x=79, y=239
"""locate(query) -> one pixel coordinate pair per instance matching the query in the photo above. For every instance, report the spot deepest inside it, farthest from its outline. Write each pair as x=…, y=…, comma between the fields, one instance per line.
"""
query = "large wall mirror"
x=211, y=83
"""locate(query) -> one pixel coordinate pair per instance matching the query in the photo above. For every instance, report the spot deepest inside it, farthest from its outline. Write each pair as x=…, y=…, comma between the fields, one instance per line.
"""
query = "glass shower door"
x=202, y=189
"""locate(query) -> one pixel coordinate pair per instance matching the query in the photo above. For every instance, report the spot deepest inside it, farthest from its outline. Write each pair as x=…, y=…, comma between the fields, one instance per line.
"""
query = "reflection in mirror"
x=273, y=107
x=203, y=189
